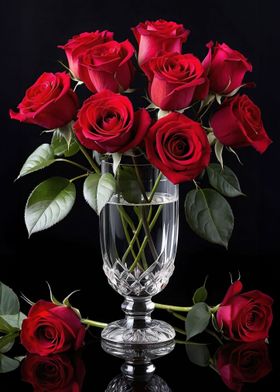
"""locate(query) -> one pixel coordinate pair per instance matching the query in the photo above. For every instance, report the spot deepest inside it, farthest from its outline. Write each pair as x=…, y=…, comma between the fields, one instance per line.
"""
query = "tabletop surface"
x=253, y=367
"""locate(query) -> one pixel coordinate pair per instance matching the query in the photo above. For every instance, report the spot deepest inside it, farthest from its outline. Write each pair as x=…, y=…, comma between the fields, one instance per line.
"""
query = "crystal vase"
x=138, y=235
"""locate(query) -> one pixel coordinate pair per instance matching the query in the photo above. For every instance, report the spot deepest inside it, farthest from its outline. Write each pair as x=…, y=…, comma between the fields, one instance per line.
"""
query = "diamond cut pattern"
x=137, y=283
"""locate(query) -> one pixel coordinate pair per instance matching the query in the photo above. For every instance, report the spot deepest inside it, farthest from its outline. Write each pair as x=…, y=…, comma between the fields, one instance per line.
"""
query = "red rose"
x=225, y=68
x=245, y=317
x=51, y=329
x=158, y=36
x=49, y=102
x=178, y=146
x=79, y=44
x=176, y=80
x=107, y=66
x=242, y=363
x=238, y=123
x=57, y=373
x=107, y=123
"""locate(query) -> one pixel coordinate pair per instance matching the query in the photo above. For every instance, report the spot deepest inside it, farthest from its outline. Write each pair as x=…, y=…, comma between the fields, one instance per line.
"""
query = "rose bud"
x=49, y=102
x=108, y=66
x=107, y=123
x=178, y=147
x=238, y=123
x=158, y=36
x=51, y=329
x=79, y=44
x=176, y=80
x=225, y=68
x=245, y=317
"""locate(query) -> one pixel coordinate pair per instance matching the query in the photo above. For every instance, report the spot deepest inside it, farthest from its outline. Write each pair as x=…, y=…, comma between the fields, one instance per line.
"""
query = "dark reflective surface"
x=59, y=372
x=236, y=367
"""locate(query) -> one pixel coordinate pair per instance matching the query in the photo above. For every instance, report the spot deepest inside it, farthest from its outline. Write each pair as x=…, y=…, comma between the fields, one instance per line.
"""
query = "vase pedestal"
x=138, y=327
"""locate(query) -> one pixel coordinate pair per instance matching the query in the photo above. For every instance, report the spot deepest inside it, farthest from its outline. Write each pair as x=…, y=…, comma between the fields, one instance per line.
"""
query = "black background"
x=68, y=255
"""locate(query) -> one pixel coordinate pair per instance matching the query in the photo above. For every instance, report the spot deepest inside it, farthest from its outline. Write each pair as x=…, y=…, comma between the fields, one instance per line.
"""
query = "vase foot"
x=155, y=332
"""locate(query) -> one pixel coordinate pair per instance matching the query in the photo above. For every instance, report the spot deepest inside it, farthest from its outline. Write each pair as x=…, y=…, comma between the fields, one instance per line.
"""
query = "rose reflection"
x=57, y=373
x=242, y=363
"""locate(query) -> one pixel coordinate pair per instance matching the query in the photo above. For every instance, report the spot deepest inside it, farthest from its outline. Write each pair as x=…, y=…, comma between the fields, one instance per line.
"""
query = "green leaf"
x=219, y=152
x=90, y=190
x=117, y=157
x=42, y=157
x=105, y=189
x=200, y=295
x=7, y=339
x=67, y=132
x=14, y=320
x=224, y=180
x=197, y=319
x=9, y=303
x=8, y=364
x=4, y=326
x=7, y=348
x=61, y=147
x=198, y=354
x=127, y=184
x=49, y=203
x=209, y=215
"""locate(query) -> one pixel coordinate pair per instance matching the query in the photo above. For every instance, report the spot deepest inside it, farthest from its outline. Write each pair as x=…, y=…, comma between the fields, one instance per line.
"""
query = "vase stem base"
x=155, y=332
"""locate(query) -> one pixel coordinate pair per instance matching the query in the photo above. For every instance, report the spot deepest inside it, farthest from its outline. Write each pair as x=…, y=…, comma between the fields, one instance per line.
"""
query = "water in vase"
x=139, y=243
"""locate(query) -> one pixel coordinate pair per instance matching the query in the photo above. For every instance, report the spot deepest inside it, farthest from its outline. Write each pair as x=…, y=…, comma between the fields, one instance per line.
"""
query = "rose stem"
x=213, y=309
x=145, y=224
x=72, y=163
x=78, y=177
x=92, y=323
x=128, y=238
x=144, y=243
x=89, y=159
x=127, y=218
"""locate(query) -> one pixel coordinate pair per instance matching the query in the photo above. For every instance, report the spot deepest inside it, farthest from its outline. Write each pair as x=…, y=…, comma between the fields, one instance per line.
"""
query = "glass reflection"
x=236, y=363
x=138, y=370
x=56, y=373
x=239, y=364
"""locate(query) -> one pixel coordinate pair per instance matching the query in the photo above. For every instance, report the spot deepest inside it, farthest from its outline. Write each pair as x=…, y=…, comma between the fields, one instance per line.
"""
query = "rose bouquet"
x=192, y=113
x=133, y=151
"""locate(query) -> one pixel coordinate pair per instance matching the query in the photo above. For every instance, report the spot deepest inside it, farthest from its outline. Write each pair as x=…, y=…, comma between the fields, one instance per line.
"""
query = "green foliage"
x=49, y=203
x=10, y=325
x=209, y=215
x=224, y=180
x=42, y=157
x=90, y=190
x=198, y=354
x=197, y=319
